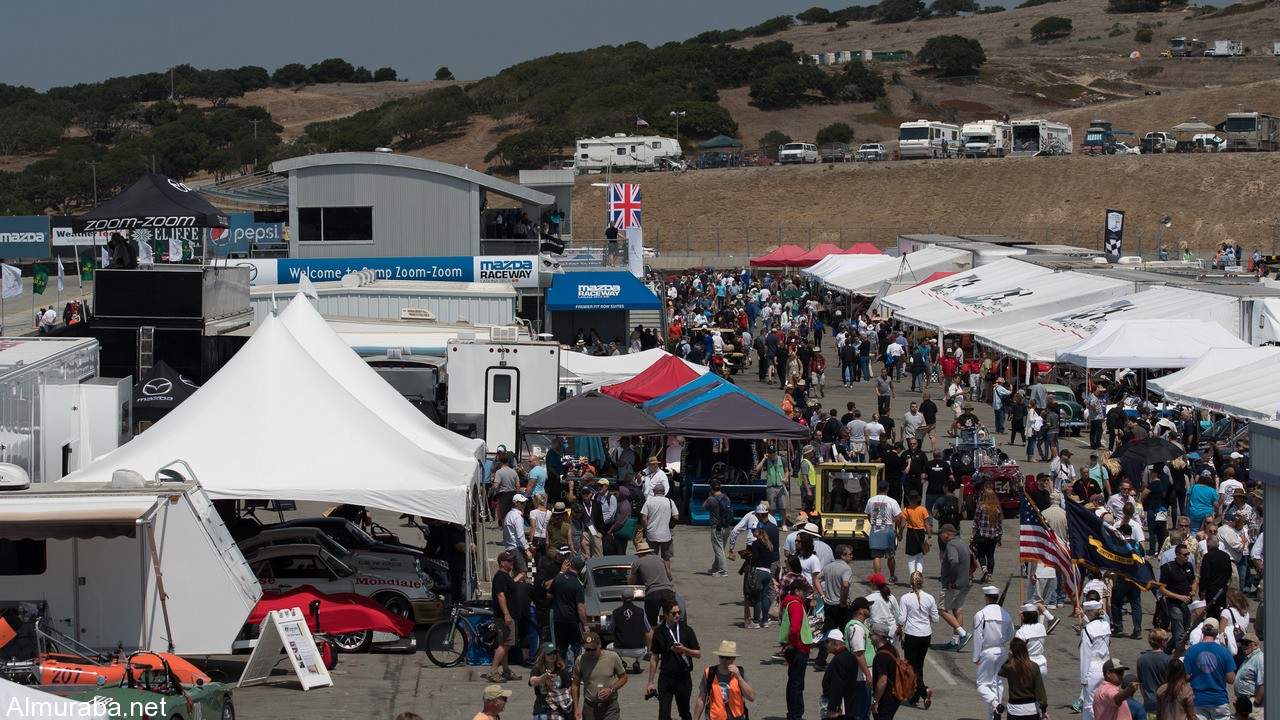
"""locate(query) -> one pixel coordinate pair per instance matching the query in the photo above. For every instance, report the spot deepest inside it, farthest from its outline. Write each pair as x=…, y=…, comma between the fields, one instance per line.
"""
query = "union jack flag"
x=624, y=205
x=1037, y=543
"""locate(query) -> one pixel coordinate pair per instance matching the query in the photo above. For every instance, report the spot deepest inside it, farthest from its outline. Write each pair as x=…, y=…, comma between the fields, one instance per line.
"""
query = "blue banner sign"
x=519, y=270
x=25, y=236
x=243, y=234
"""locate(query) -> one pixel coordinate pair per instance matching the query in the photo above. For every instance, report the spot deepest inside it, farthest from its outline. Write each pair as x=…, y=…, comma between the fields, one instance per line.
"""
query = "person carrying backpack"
x=720, y=516
x=892, y=677
x=946, y=510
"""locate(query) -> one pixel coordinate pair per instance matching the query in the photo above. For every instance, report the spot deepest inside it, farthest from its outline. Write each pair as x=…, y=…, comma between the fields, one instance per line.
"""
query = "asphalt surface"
x=379, y=686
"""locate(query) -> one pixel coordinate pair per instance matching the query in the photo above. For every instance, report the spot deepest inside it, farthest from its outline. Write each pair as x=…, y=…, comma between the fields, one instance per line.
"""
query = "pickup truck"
x=835, y=152
x=1158, y=142
x=872, y=151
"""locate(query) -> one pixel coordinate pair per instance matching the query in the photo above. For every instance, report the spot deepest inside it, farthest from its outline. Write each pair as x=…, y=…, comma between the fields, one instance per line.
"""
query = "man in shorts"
x=885, y=515
x=955, y=585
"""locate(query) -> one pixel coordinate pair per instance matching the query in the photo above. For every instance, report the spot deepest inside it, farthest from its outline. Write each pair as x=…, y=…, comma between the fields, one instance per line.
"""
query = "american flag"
x=1037, y=543
x=641, y=122
x=624, y=205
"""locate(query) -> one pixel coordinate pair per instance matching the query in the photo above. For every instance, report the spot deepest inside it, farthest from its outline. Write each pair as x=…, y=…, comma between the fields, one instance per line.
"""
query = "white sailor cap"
x=1092, y=605
x=1029, y=607
x=991, y=590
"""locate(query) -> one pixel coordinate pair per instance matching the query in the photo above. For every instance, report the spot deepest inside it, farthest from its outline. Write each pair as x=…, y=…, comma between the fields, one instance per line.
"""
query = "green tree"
x=1144, y=34
x=290, y=75
x=1133, y=6
x=1035, y=3
x=251, y=77
x=837, y=132
x=896, y=11
x=786, y=84
x=861, y=83
x=531, y=148
x=952, y=54
x=1051, y=28
x=331, y=70
x=384, y=74
x=771, y=141
x=814, y=16
x=772, y=26
x=951, y=8
x=444, y=73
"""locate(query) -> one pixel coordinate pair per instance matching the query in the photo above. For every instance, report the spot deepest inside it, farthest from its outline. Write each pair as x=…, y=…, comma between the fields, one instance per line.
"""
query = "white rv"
x=1033, y=138
x=624, y=152
x=134, y=564
x=493, y=385
x=988, y=138
x=927, y=139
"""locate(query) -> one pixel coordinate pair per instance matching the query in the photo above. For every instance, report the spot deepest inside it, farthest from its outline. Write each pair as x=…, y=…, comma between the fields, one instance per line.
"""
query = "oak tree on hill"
x=896, y=11
x=952, y=54
x=1051, y=28
x=771, y=141
x=837, y=132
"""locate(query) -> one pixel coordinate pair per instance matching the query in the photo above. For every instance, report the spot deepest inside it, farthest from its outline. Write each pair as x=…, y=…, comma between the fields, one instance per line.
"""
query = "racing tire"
x=395, y=604
x=355, y=642
x=228, y=710
x=447, y=643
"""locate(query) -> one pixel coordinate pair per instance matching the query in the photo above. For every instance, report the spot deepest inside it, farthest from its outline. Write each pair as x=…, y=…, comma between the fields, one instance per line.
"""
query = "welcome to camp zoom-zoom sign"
x=24, y=237
x=519, y=270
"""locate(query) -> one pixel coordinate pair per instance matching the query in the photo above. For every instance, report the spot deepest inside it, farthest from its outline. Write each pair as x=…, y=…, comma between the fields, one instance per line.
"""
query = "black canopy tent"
x=592, y=414
x=162, y=389
x=153, y=202
x=734, y=416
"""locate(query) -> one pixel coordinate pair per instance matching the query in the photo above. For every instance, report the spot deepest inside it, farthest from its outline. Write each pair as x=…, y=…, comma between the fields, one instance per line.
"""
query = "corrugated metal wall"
x=414, y=213
x=355, y=303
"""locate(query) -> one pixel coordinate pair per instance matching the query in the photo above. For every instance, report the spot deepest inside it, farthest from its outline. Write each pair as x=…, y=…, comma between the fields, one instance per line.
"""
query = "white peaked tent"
x=1149, y=343
x=273, y=424
x=968, y=295
x=1039, y=339
x=1048, y=294
x=339, y=360
x=917, y=266
x=841, y=264
x=1239, y=382
x=28, y=703
x=608, y=370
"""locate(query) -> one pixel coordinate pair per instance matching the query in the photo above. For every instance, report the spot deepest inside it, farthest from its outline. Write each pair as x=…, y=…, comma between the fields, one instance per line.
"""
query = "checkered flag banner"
x=1113, y=234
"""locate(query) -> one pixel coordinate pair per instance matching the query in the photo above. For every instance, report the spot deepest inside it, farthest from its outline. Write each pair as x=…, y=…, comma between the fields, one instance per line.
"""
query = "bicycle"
x=448, y=641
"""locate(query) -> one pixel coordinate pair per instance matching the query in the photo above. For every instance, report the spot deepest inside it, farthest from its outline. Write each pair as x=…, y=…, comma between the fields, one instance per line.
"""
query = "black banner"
x=1113, y=233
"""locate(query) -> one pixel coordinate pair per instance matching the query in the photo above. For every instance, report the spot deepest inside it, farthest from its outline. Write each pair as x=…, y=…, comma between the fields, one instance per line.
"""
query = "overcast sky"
x=62, y=42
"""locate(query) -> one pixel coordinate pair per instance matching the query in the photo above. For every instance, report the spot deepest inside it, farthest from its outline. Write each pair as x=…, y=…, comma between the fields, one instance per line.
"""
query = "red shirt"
x=948, y=366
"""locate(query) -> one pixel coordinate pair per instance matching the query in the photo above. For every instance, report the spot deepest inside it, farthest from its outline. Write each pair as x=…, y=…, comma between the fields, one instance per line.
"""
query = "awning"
x=863, y=248
x=1133, y=343
x=819, y=252
x=913, y=267
x=1239, y=383
x=600, y=291
x=154, y=201
x=659, y=378
x=592, y=414
x=783, y=256
x=55, y=518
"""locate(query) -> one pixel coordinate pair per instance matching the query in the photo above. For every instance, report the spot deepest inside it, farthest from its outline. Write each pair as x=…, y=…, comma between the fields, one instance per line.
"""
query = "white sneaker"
x=751, y=626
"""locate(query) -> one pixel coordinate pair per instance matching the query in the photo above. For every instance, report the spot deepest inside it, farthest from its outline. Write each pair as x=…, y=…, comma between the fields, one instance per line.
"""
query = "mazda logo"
x=159, y=386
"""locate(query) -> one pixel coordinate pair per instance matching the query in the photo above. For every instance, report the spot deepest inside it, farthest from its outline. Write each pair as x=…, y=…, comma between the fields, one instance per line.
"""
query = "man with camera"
x=674, y=648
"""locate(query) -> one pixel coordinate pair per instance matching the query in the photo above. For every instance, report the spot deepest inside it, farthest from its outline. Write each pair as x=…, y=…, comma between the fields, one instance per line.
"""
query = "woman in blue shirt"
x=1202, y=500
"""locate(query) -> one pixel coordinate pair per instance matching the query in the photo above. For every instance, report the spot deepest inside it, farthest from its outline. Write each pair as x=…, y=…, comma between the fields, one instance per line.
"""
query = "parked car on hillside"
x=836, y=152
x=872, y=151
x=718, y=159
x=1124, y=148
x=756, y=158
x=798, y=152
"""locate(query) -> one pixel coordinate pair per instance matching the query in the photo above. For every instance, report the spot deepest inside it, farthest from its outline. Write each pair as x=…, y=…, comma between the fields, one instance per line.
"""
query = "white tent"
x=608, y=370
x=273, y=424
x=1149, y=343
x=339, y=360
x=1053, y=293
x=1236, y=382
x=1266, y=321
x=28, y=703
x=917, y=266
x=841, y=264
x=1039, y=339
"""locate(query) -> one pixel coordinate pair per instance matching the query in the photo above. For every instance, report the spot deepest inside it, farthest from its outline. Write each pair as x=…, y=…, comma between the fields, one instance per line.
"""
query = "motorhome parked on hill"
x=624, y=152
x=927, y=139
x=986, y=138
x=1039, y=137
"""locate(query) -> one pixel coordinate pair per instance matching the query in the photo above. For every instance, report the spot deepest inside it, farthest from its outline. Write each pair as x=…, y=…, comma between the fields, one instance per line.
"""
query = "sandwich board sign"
x=286, y=630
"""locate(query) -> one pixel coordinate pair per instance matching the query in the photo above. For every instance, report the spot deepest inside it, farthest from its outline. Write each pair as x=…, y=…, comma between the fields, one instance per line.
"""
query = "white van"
x=796, y=152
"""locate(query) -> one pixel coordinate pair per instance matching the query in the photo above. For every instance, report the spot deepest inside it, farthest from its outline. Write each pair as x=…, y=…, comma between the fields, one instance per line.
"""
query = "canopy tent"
x=324, y=345
x=784, y=256
x=1194, y=125
x=915, y=267
x=162, y=389
x=863, y=248
x=1011, y=291
x=1239, y=383
x=154, y=201
x=1146, y=343
x=726, y=411
x=935, y=278
x=273, y=424
x=600, y=291
x=1039, y=339
x=29, y=703
x=682, y=393
x=818, y=253
x=840, y=264
x=1266, y=320
x=612, y=369
x=719, y=142
x=592, y=414
x=659, y=378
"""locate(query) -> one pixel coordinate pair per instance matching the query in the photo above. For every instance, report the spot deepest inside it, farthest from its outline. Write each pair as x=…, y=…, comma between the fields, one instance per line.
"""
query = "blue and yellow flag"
x=1100, y=546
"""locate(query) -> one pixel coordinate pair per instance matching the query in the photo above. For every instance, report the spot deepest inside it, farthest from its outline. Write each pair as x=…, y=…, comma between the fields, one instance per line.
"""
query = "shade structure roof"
x=159, y=391
x=274, y=424
x=592, y=413
x=1194, y=125
x=934, y=278
x=1240, y=383
x=819, y=251
x=600, y=291
x=784, y=256
x=610, y=369
x=659, y=378
x=720, y=141
x=839, y=264
x=682, y=393
x=1149, y=343
x=863, y=248
x=337, y=358
x=154, y=201
x=914, y=267
x=1039, y=339
x=727, y=411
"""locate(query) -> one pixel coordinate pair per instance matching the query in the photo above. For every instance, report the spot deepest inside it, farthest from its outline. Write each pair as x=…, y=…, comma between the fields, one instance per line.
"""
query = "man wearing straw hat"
x=728, y=698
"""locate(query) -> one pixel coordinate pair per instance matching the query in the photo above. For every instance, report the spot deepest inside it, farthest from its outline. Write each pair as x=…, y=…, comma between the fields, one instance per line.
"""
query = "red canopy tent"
x=863, y=248
x=819, y=251
x=660, y=378
x=784, y=256
x=935, y=276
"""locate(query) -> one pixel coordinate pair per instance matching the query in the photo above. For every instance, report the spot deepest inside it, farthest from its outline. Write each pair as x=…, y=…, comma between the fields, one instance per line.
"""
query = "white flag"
x=11, y=286
x=175, y=250
x=306, y=287
x=106, y=259
x=62, y=275
x=146, y=254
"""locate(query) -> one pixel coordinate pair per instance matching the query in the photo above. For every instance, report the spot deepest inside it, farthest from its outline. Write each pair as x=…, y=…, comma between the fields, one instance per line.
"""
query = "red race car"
x=353, y=623
x=978, y=462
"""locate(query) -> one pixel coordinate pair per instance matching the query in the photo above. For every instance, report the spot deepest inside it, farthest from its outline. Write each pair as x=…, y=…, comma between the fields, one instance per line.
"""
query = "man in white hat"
x=839, y=680
x=992, y=631
x=514, y=535
x=1095, y=650
x=724, y=691
x=748, y=525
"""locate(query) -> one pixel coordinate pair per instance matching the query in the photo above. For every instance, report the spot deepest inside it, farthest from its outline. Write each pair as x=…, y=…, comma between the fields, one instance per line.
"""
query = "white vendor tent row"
x=1039, y=339
x=28, y=703
x=1236, y=382
x=611, y=369
x=1149, y=343
x=275, y=424
x=841, y=264
x=917, y=266
x=998, y=294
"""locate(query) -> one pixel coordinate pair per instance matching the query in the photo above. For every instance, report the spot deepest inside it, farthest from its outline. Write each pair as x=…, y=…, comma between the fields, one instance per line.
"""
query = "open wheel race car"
x=149, y=688
x=977, y=463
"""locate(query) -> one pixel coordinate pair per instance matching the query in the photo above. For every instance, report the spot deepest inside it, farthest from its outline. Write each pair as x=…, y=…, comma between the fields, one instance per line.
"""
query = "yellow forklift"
x=842, y=492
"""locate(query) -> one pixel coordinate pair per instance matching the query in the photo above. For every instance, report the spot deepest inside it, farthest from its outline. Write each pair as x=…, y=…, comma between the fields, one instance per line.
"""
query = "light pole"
x=677, y=116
